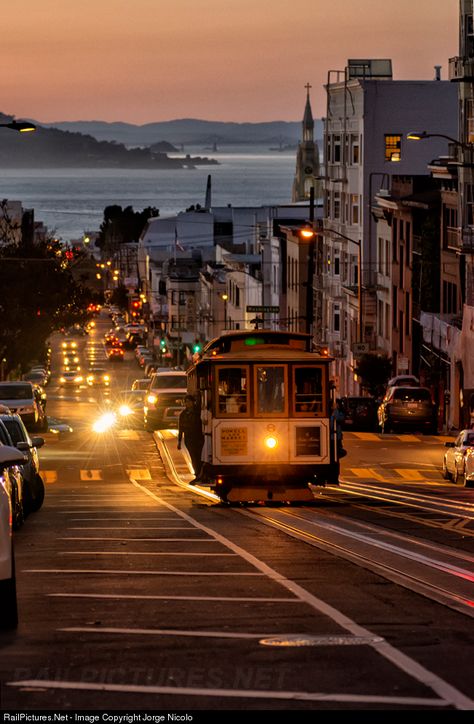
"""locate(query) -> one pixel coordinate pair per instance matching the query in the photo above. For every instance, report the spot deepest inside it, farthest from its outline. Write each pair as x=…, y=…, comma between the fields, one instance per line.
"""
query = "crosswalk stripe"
x=128, y=435
x=367, y=473
x=49, y=476
x=367, y=436
x=139, y=473
x=409, y=474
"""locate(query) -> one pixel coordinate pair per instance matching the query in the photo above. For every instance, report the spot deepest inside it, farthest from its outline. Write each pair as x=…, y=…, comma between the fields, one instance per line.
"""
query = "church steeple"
x=308, y=122
x=307, y=158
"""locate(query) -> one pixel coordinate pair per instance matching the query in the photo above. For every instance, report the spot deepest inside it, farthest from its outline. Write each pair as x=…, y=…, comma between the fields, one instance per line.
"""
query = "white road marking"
x=401, y=701
x=449, y=693
x=163, y=632
x=119, y=596
x=139, y=553
x=138, y=527
x=117, y=572
x=153, y=540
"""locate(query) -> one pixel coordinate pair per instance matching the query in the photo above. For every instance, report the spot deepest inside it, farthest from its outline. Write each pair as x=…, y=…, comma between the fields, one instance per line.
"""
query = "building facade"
x=368, y=117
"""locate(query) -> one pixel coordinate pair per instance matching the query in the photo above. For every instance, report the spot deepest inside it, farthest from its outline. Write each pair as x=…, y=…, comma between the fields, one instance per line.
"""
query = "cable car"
x=266, y=402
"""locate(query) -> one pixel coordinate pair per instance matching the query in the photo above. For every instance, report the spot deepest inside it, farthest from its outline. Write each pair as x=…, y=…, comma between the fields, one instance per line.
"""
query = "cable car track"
x=438, y=572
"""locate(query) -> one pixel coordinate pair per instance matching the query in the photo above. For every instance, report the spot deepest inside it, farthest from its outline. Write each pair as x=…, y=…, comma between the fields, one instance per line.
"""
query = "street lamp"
x=422, y=135
x=224, y=298
x=20, y=126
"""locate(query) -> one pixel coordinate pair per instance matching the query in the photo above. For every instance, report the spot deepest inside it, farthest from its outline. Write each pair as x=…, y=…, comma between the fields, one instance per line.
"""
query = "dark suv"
x=164, y=400
x=360, y=413
x=408, y=407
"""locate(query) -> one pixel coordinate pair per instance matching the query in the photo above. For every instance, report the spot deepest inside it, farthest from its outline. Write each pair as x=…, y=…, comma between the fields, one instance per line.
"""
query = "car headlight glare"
x=125, y=410
x=152, y=399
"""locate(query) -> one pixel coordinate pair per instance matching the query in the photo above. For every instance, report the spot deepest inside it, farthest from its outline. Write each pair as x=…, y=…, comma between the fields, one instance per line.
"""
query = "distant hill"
x=53, y=148
x=191, y=131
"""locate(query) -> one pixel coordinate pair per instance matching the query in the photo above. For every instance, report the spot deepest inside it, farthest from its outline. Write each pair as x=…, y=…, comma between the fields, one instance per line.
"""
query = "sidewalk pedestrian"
x=337, y=418
x=190, y=427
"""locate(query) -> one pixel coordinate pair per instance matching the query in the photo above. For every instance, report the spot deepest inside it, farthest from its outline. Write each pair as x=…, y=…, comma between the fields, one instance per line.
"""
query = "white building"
x=367, y=120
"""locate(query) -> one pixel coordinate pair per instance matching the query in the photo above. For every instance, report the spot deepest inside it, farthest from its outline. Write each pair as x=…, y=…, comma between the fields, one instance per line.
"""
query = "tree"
x=374, y=370
x=122, y=226
x=38, y=295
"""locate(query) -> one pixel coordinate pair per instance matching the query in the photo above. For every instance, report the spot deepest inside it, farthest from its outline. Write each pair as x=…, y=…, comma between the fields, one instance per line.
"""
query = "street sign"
x=262, y=308
x=360, y=348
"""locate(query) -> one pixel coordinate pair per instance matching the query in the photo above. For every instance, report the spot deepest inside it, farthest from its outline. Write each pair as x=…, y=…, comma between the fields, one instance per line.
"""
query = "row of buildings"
x=386, y=266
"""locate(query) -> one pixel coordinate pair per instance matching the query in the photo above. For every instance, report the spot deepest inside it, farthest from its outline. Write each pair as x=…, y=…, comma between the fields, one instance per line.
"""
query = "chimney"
x=437, y=72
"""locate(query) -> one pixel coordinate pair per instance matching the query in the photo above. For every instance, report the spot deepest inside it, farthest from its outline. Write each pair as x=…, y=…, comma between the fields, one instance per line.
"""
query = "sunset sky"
x=244, y=60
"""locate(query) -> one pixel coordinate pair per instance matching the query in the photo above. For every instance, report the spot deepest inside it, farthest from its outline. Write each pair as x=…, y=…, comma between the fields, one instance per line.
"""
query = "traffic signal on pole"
x=163, y=345
x=197, y=347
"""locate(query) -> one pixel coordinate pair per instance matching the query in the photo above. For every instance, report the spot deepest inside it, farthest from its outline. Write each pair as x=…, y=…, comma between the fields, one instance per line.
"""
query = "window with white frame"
x=336, y=318
x=337, y=205
x=355, y=148
x=354, y=208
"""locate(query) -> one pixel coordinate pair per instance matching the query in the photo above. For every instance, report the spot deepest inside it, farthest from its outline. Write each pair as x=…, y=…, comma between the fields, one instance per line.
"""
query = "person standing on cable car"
x=190, y=427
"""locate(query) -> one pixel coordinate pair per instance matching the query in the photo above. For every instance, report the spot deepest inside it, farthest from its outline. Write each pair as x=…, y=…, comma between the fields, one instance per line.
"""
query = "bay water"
x=71, y=201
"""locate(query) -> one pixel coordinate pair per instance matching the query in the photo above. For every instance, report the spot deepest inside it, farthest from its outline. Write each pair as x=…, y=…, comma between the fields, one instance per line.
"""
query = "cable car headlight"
x=271, y=442
x=152, y=399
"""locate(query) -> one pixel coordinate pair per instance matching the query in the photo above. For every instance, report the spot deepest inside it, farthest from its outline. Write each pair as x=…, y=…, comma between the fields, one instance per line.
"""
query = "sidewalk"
x=177, y=462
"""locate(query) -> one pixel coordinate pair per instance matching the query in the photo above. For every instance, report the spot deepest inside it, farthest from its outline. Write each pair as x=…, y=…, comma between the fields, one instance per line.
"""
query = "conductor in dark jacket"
x=190, y=426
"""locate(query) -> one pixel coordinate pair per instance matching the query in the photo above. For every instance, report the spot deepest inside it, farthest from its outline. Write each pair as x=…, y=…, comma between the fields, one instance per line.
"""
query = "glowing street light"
x=20, y=126
x=422, y=135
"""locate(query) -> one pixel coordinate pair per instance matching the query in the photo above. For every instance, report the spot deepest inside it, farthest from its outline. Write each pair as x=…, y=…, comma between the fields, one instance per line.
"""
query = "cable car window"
x=308, y=391
x=232, y=388
x=271, y=389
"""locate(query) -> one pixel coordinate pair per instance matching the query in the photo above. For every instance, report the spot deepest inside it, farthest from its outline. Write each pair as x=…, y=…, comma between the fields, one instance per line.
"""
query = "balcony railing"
x=452, y=237
x=467, y=240
x=461, y=69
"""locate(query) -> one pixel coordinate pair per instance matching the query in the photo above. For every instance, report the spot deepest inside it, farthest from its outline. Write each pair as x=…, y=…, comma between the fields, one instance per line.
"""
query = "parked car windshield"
x=15, y=431
x=15, y=392
x=412, y=395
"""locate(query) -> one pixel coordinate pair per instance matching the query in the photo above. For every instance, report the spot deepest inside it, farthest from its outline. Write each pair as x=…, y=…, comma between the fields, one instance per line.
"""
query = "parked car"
x=37, y=377
x=33, y=487
x=41, y=398
x=458, y=462
x=404, y=381
x=408, y=407
x=9, y=456
x=360, y=413
x=15, y=482
x=145, y=358
x=20, y=397
x=164, y=400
